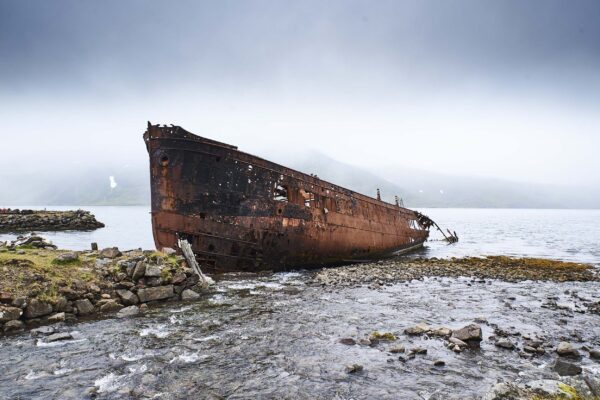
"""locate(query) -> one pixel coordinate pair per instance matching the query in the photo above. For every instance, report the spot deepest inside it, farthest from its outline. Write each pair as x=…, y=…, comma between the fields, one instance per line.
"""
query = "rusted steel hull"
x=244, y=213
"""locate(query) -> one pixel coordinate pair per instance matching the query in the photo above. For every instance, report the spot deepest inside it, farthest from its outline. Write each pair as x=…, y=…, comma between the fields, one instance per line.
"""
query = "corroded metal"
x=243, y=213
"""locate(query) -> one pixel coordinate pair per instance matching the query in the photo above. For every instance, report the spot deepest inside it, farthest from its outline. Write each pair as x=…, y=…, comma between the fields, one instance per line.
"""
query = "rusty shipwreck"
x=240, y=212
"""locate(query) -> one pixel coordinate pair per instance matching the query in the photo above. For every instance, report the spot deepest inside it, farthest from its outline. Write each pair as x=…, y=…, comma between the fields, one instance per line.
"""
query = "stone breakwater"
x=43, y=286
x=33, y=220
x=494, y=267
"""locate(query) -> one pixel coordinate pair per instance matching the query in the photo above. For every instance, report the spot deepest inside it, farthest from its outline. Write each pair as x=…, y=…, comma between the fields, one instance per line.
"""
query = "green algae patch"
x=382, y=336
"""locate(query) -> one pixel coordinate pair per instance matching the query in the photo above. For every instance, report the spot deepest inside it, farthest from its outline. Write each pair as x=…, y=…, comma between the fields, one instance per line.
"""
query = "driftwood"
x=188, y=254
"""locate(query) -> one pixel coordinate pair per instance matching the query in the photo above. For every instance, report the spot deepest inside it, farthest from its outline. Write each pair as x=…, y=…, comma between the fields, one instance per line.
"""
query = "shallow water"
x=276, y=336
x=572, y=235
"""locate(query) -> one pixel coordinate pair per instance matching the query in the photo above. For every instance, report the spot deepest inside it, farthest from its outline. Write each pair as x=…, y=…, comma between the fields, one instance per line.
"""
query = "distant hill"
x=92, y=186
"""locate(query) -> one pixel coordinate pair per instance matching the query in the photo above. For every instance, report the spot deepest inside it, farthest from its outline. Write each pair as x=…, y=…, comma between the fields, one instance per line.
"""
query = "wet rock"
x=155, y=293
x=470, y=334
x=42, y=331
x=503, y=391
x=457, y=342
x=365, y=342
x=565, y=349
x=444, y=332
x=354, y=368
x=8, y=313
x=67, y=257
x=397, y=349
x=37, y=308
x=566, y=368
x=127, y=297
x=153, y=271
x=110, y=252
x=529, y=349
x=595, y=354
x=418, y=329
x=505, y=344
x=418, y=350
x=348, y=341
x=189, y=294
x=58, y=317
x=128, y=312
x=13, y=325
x=84, y=306
x=139, y=271
x=439, y=363
x=59, y=336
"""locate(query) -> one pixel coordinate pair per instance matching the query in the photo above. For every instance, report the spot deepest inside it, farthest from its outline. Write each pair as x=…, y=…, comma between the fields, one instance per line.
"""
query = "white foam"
x=35, y=375
x=63, y=371
x=158, y=331
x=188, y=358
x=207, y=338
x=109, y=383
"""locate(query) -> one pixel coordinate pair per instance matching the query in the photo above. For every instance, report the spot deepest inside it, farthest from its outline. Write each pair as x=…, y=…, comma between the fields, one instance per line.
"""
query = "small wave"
x=206, y=339
x=158, y=331
x=36, y=375
x=41, y=343
x=180, y=310
x=188, y=358
x=109, y=383
x=63, y=371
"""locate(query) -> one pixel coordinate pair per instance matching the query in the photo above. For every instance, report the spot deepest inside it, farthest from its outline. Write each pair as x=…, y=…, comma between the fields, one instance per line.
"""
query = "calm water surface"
x=561, y=234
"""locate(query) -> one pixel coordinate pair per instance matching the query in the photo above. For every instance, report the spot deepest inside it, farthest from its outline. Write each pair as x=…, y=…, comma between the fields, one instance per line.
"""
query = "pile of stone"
x=127, y=283
x=33, y=220
x=31, y=240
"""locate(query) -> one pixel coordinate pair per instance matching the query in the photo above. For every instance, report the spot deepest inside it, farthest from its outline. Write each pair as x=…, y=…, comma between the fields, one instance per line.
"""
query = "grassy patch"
x=37, y=272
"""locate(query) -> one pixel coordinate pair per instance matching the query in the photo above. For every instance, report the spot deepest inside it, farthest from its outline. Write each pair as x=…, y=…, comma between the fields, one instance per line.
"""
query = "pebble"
x=59, y=336
x=348, y=341
x=505, y=344
x=354, y=368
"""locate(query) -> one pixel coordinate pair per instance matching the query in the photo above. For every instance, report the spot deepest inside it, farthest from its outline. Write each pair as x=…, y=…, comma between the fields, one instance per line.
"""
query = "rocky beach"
x=137, y=324
x=41, y=220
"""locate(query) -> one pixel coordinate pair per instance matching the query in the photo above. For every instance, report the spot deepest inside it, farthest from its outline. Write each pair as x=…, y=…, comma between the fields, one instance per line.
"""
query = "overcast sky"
x=507, y=89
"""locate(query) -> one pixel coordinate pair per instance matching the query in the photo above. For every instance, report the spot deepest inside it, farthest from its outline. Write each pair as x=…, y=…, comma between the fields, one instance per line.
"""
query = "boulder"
x=179, y=278
x=84, y=306
x=505, y=344
x=155, y=293
x=110, y=305
x=9, y=313
x=139, y=271
x=441, y=332
x=59, y=336
x=67, y=257
x=565, y=349
x=128, y=298
x=189, y=294
x=354, y=368
x=470, y=334
x=37, y=308
x=110, y=252
x=566, y=368
x=153, y=271
x=58, y=317
x=42, y=331
x=5, y=298
x=128, y=312
x=418, y=329
x=13, y=325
